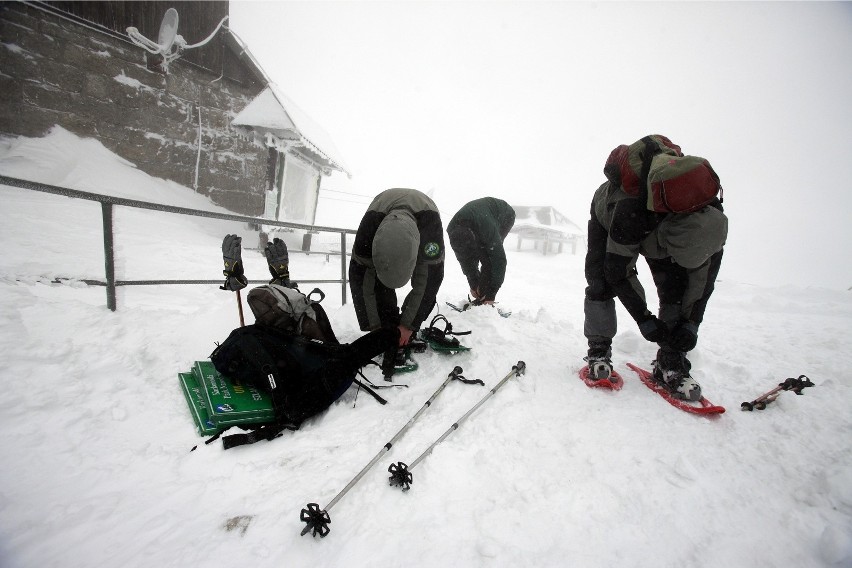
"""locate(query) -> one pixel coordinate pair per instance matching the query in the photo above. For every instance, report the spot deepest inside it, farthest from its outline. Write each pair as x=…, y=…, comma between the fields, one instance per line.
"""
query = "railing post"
x=109, y=258
x=343, y=266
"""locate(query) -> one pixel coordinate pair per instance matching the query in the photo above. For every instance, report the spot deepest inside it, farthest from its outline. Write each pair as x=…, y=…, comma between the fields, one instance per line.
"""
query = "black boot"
x=600, y=364
x=671, y=370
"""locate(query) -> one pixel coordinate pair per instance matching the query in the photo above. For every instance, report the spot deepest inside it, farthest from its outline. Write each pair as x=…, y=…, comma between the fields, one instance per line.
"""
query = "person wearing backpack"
x=400, y=239
x=476, y=233
x=683, y=251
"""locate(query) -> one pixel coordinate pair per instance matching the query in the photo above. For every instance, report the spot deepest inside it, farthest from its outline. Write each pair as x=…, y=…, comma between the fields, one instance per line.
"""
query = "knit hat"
x=691, y=238
x=395, y=248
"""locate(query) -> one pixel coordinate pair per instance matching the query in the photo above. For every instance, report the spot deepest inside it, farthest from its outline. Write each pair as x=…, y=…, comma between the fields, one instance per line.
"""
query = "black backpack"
x=304, y=376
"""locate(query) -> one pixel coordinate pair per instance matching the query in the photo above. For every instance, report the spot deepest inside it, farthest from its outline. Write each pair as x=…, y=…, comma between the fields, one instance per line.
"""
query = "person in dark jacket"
x=684, y=254
x=400, y=239
x=477, y=232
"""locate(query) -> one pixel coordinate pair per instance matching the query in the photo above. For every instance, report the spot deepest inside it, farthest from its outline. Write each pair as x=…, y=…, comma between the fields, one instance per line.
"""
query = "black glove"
x=684, y=336
x=654, y=330
x=232, y=256
x=279, y=262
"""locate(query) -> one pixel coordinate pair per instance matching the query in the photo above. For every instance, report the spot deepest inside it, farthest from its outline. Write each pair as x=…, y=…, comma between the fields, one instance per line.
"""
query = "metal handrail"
x=108, y=201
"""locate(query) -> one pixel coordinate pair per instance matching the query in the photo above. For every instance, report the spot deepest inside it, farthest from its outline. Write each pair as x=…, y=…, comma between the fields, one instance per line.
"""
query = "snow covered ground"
x=95, y=433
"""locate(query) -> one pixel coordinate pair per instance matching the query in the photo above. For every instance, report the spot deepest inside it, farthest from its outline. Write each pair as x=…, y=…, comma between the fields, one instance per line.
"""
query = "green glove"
x=279, y=262
x=232, y=257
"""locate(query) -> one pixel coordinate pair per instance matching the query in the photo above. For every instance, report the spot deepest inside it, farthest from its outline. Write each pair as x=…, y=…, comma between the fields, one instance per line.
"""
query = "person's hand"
x=404, y=335
x=684, y=336
x=474, y=294
x=654, y=330
x=232, y=257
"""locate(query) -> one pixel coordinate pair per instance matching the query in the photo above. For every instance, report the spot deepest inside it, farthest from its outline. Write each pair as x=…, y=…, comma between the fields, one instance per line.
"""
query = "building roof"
x=544, y=218
x=275, y=118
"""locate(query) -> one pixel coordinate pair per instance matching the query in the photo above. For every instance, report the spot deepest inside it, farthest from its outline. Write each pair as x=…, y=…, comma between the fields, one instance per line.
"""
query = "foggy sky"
x=525, y=100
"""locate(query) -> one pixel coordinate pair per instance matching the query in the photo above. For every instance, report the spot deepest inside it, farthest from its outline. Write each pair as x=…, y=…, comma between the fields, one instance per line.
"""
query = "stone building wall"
x=54, y=71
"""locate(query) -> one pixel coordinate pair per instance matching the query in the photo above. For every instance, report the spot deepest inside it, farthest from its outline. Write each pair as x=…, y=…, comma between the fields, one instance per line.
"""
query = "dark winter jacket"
x=476, y=234
x=375, y=304
x=683, y=251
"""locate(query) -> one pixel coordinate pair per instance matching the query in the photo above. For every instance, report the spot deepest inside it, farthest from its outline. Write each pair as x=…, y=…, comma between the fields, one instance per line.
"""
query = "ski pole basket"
x=401, y=475
x=317, y=520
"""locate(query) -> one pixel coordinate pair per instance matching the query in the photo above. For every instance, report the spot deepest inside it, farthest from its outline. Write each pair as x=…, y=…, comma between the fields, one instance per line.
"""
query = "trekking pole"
x=317, y=519
x=240, y=307
x=791, y=384
x=401, y=474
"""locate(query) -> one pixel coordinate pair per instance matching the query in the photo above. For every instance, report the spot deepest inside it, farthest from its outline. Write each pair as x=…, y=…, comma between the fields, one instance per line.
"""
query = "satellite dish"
x=169, y=44
x=168, y=30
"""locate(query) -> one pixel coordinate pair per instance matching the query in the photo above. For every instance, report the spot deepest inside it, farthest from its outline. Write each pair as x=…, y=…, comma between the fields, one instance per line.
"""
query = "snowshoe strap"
x=448, y=327
x=437, y=335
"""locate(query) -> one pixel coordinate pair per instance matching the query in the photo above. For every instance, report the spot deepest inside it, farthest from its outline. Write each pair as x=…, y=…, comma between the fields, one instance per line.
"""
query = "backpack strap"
x=315, y=291
x=323, y=323
x=264, y=432
x=370, y=391
x=651, y=150
x=255, y=433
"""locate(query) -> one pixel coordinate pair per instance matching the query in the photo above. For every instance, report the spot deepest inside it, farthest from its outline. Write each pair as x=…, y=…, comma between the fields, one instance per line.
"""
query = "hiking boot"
x=400, y=358
x=599, y=367
x=677, y=382
x=598, y=357
x=402, y=363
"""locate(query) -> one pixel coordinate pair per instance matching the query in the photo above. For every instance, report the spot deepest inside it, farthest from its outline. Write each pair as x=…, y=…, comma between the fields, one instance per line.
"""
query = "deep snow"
x=95, y=433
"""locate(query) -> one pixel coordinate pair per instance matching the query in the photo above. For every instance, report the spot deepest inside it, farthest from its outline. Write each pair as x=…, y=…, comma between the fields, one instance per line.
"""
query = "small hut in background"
x=546, y=228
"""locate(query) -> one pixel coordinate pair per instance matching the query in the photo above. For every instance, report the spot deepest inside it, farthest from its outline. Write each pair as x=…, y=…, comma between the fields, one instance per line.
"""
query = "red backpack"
x=655, y=170
x=681, y=184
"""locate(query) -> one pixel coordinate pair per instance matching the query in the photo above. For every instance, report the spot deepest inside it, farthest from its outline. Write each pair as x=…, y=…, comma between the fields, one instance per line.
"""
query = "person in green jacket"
x=476, y=234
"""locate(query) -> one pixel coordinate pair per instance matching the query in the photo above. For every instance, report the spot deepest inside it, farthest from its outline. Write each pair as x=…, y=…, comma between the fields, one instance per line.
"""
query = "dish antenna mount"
x=169, y=45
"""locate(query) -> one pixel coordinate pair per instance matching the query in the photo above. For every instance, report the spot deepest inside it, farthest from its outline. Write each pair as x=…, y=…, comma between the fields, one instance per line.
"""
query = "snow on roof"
x=274, y=112
x=265, y=111
x=544, y=217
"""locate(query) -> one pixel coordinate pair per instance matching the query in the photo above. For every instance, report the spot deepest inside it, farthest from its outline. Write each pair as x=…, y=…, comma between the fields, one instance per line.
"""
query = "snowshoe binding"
x=599, y=373
x=677, y=382
x=441, y=339
x=465, y=305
